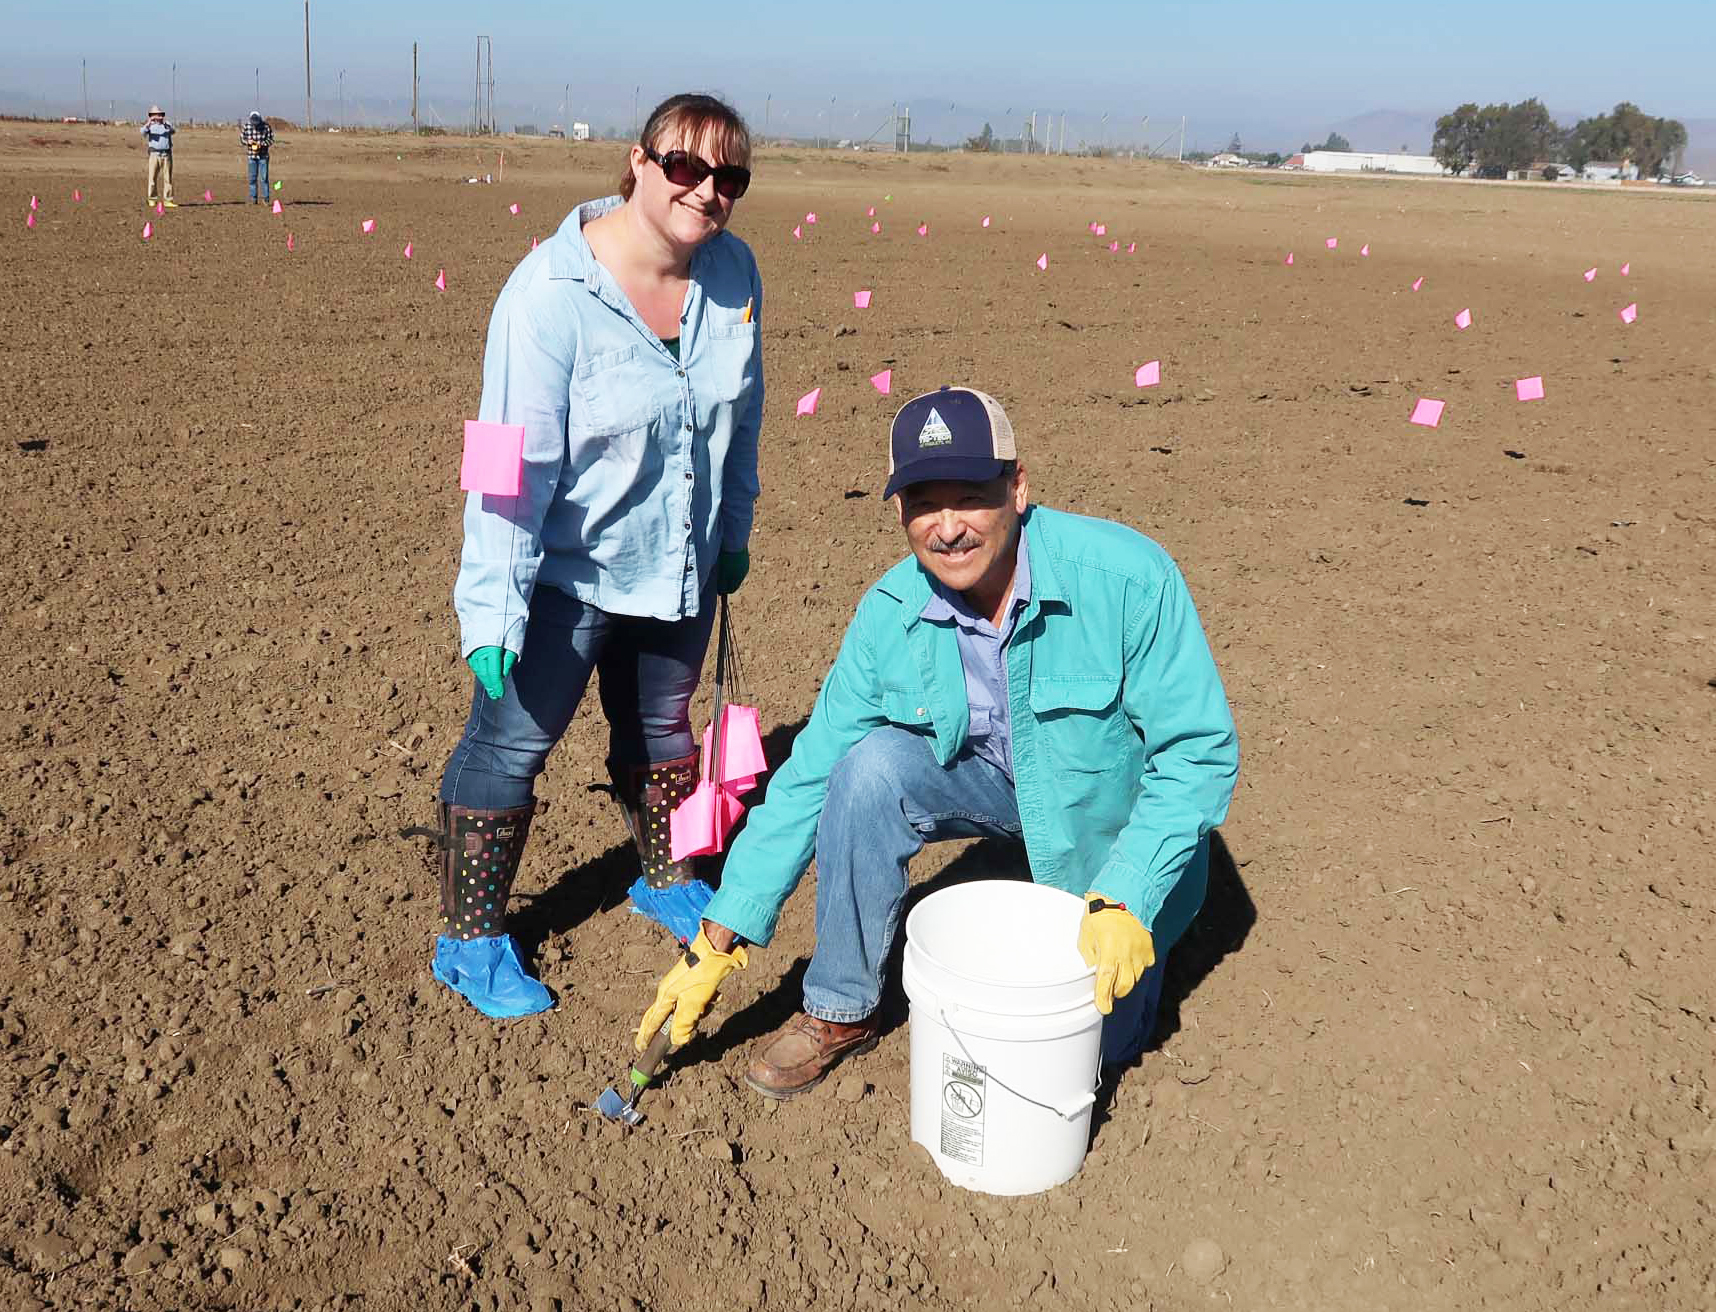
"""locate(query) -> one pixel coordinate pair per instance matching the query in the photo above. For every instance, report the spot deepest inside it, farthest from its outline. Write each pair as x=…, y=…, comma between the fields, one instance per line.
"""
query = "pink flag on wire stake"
x=985, y=221
x=1463, y=320
x=279, y=208
x=77, y=193
x=1043, y=260
x=798, y=232
x=883, y=382
x=1332, y=242
x=148, y=231
x=368, y=225
x=923, y=229
x=1365, y=249
x=870, y=213
x=513, y=208
x=1102, y=230
x=861, y=300
x=32, y=203
x=876, y=227
x=30, y=219
x=1427, y=412
x=160, y=209
x=207, y=195
x=1132, y=248
x=1149, y=374
x=1630, y=313
x=811, y=217
x=1113, y=248
x=533, y=243
x=288, y=241
x=809, y=401
x=699, y=825
x=1417, y=282
x=1529, y=389
x=1289, y=259
x=408, y=250
x=441, y=281
x=1590, y=275
x=1625, y=268
x=493, y=463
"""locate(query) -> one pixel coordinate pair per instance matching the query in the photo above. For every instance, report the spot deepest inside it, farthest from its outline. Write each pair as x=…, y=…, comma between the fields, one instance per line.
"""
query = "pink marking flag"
x=1091, y=227
x=1365, y=249
x=207, y=195
x=870, y=213
x=30, y=219
x=1332, y=242
x=809, y=401
x=861, y=300
x=923, y=229
x=1102, y=230
x=279, y=208
x=1625, y=268
x=1590, y=274
x=1427, y=412
x=493, y=462
x=160, y=209
x=876, y=227
x=1630, y=313
x=369, y=225
x=32, y=203
x=148, y=231
x=1289, y=259
x=1113, y=248
x=1148, y=374
x=1418, y=282
x=1529, y=389
x=798, y=232
x=699, y=825
x=77, y=193
x=288, y=241
x=883, y=382
x=513, y=208
x=1043, y=260
x=441, y=281
x=1463, y=320
x=533, y=243
x=408, y=250
x=811, y=217
x=1132, y=248
x=985, y=221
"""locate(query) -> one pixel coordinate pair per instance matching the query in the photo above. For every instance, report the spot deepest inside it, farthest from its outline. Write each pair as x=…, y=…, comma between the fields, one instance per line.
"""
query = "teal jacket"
x=1124, y=751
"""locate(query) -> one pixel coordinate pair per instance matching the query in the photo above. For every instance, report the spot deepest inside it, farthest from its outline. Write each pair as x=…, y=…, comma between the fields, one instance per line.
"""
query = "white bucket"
x=1006, y=1038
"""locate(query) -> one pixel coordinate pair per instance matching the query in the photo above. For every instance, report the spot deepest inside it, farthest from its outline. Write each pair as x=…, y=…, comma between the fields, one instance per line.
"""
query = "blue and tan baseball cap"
x=955, y=433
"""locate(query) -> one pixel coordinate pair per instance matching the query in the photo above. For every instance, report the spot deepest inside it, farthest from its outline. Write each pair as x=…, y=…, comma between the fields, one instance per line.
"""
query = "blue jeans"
x=256, y=169
x=887, y=797
x=649, y=671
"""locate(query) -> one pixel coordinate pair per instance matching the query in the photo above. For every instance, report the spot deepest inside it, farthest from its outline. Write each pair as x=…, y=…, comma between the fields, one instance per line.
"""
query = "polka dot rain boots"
x=474, y=956
x=647, y=795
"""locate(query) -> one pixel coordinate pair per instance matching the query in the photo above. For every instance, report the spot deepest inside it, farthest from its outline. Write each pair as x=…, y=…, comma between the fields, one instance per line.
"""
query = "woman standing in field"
x=627, y=346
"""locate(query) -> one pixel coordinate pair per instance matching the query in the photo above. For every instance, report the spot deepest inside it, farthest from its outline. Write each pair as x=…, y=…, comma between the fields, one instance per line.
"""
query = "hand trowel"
x=625, y=1110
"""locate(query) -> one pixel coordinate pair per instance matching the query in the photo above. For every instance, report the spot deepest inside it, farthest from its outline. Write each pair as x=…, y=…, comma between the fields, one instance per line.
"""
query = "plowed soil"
x=1443, y=1038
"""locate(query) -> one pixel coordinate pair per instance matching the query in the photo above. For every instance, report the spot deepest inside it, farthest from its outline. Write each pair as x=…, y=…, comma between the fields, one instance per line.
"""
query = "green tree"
x=1627, y=133
x=1455, y=144
x=1336, y=142
x=1233, y=146
x=984, y=141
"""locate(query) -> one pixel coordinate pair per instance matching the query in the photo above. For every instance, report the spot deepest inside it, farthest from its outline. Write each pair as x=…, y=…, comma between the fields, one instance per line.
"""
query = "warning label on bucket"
x=963, y=1086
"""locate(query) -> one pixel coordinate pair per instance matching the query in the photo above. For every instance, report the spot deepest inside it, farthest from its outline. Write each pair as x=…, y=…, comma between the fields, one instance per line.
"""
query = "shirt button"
x=689, y=476
x=681, y=373
x=688, y=428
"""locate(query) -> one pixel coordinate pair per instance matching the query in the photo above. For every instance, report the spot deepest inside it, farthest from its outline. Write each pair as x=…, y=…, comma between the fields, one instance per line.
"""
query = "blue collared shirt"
x=639, y=468
x=983, y=653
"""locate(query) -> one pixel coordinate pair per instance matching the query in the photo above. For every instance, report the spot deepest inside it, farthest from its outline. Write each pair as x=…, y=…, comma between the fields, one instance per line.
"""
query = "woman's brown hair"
x=696, y=120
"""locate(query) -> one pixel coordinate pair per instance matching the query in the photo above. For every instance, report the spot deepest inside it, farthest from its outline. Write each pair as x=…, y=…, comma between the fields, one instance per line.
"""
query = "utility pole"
x=414, y=130
x=767, y=101
x=309, y=117
x=86, y=91
x=342, y=100
x=1182, y=155
x=258, y=101
x=566, y=114
x=635, y=91
x=174, y=102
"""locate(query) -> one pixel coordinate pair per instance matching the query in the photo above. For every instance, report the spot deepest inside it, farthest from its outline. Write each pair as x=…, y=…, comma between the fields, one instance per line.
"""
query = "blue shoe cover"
x=487, y=974
x=678, y=908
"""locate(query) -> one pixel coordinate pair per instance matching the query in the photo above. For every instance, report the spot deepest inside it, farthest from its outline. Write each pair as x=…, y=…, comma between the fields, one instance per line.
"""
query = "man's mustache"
x=964, y=542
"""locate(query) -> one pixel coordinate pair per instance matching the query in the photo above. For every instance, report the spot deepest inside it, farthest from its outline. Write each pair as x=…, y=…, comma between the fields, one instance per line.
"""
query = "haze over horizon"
x=1275, y=75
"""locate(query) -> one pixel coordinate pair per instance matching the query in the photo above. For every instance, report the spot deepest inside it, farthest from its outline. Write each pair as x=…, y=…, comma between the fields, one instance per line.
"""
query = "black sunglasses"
x=683, y=169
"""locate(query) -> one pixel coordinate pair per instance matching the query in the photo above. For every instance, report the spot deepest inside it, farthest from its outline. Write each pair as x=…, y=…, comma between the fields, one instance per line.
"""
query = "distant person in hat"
x=1024, y=673
x=159, y=134
x=257, y=138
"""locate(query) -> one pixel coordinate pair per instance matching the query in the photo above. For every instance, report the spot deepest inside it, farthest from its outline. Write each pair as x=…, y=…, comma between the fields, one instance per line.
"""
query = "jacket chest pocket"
x=1081, y=720
x=735, y=353
x=610, y=395
x=909, y=710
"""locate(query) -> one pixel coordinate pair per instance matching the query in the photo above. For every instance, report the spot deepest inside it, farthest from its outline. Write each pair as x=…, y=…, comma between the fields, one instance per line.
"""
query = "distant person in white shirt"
x=159, y=134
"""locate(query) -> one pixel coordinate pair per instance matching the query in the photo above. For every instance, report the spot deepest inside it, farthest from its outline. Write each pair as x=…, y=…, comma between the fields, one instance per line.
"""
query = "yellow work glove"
x=687, y=990
x=1115, y=941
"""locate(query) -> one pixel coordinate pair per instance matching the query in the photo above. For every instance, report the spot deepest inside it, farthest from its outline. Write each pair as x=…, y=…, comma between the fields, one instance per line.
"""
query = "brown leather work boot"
x=797, y=1055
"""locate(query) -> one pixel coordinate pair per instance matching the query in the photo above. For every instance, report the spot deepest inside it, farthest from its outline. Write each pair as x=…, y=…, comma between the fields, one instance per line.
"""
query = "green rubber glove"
x=730, y=570
x=491, y=665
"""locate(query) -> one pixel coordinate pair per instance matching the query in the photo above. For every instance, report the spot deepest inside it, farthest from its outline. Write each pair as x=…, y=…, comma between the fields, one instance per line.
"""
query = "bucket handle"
x=1066, y=1109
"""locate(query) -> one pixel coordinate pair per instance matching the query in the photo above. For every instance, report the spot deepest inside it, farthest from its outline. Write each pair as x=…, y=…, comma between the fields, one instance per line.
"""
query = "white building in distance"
x=1357, y=161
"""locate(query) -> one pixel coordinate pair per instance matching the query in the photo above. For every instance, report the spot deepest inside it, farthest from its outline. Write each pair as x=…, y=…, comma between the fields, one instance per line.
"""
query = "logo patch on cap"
x=935, y=431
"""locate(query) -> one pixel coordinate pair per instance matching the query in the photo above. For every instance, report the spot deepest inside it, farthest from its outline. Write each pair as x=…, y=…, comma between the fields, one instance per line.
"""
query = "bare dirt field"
x=1443, y=1038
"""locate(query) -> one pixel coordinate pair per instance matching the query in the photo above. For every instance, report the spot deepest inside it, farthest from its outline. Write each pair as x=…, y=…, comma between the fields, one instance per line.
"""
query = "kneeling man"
x=1024, y=673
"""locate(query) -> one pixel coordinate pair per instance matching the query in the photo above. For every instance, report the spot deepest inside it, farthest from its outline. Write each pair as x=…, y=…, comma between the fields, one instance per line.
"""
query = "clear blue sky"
x=1272, y=71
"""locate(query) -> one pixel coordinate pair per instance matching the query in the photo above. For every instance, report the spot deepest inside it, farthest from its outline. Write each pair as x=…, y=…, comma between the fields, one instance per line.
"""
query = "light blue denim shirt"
x=983, y=654
x=638, y=468
x=159, y=137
